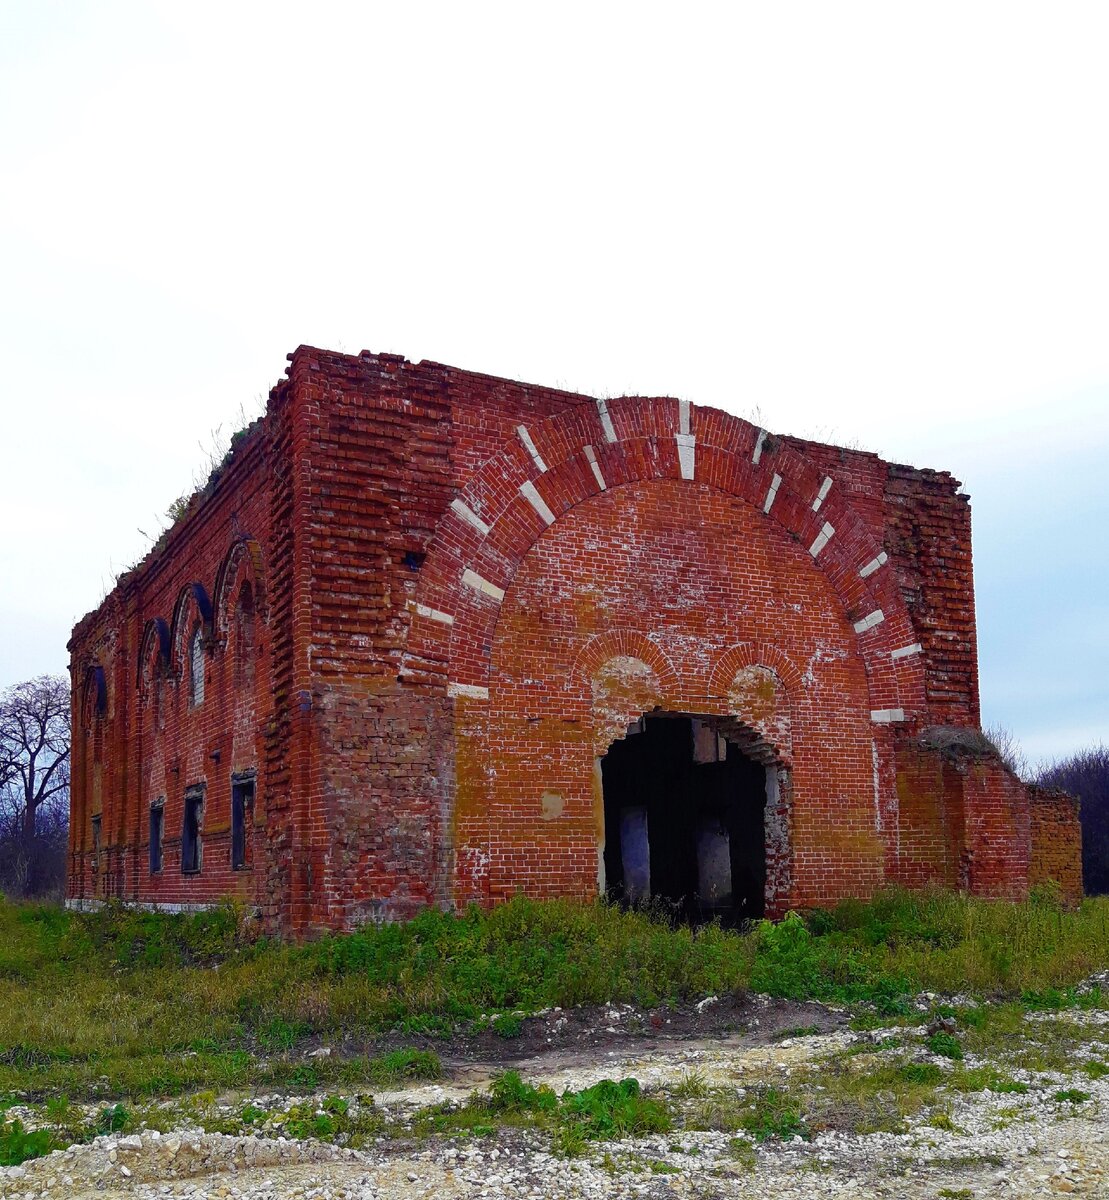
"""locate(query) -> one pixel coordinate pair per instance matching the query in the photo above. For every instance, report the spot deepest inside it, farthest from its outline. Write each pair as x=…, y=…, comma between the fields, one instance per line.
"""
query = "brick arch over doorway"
x=663, y=595
x=549, y=468
x=527, y=809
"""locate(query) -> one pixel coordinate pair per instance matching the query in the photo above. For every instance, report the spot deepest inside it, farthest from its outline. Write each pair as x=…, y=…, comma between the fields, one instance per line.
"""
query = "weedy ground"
x=103, y=1016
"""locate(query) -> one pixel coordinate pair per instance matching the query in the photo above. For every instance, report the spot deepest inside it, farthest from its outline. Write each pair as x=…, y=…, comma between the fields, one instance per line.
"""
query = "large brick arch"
x=548, y=468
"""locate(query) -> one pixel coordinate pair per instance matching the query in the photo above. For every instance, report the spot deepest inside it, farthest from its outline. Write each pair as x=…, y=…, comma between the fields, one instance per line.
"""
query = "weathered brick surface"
x=146, y=741
x=928, y=535
x=1056, y=842
x=460, y=590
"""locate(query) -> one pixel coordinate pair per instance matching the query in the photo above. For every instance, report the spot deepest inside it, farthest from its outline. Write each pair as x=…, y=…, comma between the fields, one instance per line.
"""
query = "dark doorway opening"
x=685, y=820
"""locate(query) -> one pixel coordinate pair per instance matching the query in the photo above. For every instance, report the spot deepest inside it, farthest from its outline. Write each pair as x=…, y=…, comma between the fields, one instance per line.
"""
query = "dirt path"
x=996, y=1146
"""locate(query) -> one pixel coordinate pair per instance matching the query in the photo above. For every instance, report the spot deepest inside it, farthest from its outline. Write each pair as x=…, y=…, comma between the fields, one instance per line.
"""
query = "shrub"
x=113, y=1119
x=17, y=1144
x=946, y=1045
x=609, y=1109
x=507, y=1025
x=509, y=1093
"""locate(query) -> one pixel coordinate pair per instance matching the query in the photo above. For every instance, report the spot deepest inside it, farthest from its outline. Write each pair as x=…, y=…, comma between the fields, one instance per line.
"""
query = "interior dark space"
x=684, y=821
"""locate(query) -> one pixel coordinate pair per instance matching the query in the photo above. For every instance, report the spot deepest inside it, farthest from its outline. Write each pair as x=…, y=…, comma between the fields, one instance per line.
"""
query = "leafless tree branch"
x=34, y=783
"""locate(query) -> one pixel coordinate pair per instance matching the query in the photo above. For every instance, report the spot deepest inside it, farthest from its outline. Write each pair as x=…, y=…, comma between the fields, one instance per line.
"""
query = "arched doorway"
x=685, y=808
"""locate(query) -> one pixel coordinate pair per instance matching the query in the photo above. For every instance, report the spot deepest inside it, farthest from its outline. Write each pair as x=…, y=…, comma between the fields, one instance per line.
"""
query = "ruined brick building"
x=431, y=637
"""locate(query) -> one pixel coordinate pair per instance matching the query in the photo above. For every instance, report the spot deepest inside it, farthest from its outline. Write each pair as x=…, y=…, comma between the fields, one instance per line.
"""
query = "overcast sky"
x=885, y=224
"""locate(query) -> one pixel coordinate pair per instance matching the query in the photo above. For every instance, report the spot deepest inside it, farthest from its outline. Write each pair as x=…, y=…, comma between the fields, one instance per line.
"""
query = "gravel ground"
x=999, y=1145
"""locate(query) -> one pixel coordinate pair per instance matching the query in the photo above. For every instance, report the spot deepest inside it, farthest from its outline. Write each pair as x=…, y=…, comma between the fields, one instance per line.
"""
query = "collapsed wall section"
x=968, y=822
x=927, y=532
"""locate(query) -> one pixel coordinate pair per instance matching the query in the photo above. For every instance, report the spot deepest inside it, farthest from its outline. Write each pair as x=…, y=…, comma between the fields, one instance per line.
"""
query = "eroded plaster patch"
x=758, y=699
x=623, y=687
x=551, y=806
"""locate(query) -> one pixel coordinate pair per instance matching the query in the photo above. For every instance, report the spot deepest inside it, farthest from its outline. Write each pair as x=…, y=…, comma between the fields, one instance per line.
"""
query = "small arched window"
x=196, y=667
x=244, y=648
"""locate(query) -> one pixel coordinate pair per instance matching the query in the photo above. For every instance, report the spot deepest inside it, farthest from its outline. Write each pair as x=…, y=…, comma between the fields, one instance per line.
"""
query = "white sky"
x=883, y=224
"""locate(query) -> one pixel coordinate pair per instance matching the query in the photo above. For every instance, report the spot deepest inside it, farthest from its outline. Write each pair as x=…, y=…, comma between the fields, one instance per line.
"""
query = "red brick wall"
x=930, y=818
x=686, y=574
x=154, y=743
x=387, y=446
x=1056, y=843
x=997, y=845
x=966, y=820
x=420, y=740
x=928, y=536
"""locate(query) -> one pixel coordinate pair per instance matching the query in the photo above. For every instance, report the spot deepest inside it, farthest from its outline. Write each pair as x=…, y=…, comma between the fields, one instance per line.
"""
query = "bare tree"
x=34, y=782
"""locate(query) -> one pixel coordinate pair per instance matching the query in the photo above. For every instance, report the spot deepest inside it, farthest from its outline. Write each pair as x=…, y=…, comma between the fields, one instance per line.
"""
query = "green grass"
x=607, y=1111
x=120, y=1004
x=775, y=1113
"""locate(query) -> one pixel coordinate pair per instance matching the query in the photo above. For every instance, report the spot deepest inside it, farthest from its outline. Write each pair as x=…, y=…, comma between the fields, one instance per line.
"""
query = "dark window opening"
x=190, y=833
x=97, y=827
x=685, y=821
x=242, y=809
x=157, y=836
x=414, y=559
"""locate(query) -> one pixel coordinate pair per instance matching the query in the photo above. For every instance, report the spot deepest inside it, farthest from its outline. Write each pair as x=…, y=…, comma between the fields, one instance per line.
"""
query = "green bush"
x=792, y=962
x=787, y=962
x=509, y=1093
x=610, y=1110
x=113, y=1119
x=17, y=1144
x=946, y=1045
